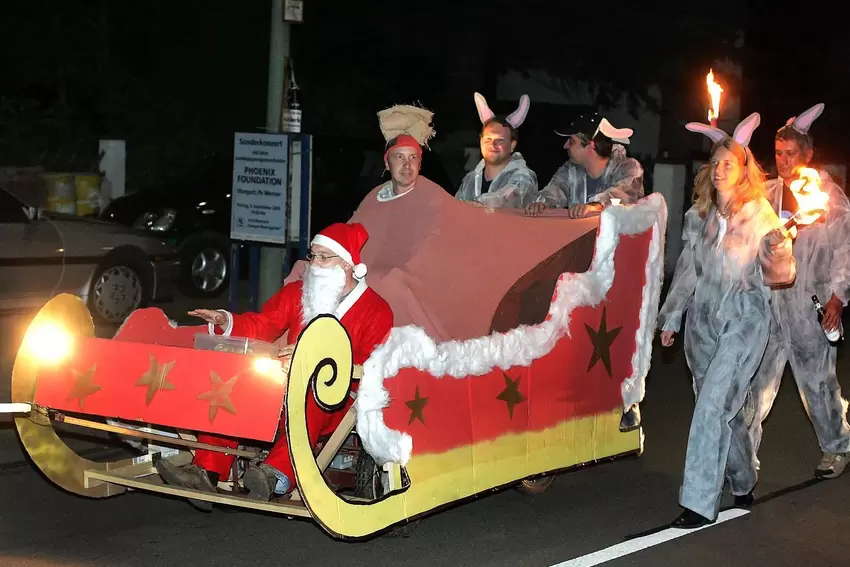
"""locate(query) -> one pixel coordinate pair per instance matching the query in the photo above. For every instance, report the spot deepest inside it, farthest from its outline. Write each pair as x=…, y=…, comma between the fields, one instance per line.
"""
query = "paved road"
x=795, y=522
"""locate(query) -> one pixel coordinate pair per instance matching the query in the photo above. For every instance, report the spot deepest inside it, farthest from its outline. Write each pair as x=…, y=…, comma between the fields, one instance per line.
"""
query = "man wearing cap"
x=334, y=284
x=822, y=251
x=597, y=171
x=502, y=179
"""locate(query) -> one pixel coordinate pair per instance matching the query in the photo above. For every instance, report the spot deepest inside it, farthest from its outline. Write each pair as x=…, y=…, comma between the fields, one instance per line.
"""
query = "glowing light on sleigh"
x=444, y=433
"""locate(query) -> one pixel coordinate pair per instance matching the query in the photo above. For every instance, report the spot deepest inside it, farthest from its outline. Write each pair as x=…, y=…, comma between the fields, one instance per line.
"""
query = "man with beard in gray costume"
x=822, y=251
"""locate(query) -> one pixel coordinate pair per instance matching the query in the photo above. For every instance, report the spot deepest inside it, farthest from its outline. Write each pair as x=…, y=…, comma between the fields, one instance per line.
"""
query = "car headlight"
x=161, y=221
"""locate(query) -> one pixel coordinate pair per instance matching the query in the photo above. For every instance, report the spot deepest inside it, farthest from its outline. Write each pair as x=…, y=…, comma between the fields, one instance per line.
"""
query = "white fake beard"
x=322, y=291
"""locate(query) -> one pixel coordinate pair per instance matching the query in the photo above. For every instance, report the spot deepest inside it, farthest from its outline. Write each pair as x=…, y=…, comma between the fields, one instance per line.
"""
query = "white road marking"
x=638, y=544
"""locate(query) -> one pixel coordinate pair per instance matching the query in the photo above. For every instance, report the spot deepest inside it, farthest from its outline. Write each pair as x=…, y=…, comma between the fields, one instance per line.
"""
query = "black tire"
x=535, y=486
x=132, y=276
x=204, y=251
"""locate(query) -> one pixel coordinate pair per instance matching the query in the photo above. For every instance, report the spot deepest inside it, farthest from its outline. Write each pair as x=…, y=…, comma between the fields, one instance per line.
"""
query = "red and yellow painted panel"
x=221, y=393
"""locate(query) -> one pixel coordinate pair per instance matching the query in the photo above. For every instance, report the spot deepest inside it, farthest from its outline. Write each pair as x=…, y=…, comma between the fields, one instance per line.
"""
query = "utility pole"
x=272, y=258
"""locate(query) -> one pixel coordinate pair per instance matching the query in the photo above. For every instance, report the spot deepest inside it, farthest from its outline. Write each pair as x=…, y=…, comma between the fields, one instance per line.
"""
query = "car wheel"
x=205, y=261
x=119, y=287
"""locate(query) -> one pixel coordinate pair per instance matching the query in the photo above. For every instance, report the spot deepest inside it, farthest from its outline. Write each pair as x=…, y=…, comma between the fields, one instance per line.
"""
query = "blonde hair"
x=750, y=185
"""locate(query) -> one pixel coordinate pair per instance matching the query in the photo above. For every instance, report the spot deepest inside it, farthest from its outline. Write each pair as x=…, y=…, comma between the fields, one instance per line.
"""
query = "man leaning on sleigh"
x=334, y=284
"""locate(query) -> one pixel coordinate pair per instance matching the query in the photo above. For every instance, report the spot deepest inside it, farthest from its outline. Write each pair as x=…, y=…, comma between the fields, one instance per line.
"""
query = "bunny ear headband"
x=591, y=125
x=515, y=119
x=743, y=132
x=620, y=135
x=803, y=122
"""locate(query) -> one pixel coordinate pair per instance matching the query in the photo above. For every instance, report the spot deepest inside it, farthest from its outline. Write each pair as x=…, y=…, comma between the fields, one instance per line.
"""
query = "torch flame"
x=811, y=200
x=714, y=92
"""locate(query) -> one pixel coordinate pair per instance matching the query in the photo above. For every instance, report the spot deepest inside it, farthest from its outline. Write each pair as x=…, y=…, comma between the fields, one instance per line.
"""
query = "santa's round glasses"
x=320, y=257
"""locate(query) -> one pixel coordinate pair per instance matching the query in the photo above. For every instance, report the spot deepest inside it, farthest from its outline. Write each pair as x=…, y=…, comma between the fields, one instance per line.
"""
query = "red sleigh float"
x=440, y=421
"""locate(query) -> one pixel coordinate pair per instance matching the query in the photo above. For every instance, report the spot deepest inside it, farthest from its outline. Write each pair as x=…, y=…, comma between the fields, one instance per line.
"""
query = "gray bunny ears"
x=803, y=122
x=515, y=119
x=743, y=132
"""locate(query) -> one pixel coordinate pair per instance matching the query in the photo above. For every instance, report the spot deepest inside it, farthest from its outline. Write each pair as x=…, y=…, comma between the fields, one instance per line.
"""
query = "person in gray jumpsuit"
x=596, y=172
x=734, y=248
x=822, y=252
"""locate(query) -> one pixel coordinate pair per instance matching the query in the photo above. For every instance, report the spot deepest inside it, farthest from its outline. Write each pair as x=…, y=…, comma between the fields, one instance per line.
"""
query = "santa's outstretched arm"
x=272, y=320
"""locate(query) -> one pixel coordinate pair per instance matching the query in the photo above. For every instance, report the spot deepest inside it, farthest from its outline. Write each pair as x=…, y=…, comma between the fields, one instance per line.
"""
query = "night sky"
x=176, y=79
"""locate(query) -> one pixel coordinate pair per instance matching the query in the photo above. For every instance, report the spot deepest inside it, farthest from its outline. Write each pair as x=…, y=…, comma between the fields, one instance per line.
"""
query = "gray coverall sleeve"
x=554, y=195
x=684, y=278
x=467, y=187
x=838, y=232
x=777, y=263
x=629, y=188
x=519, y=190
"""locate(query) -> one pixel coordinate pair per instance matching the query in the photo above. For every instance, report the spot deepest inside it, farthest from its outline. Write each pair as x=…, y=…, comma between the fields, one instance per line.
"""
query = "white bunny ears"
x=620, y=135
x=803, y=122
x=743, y=132
x=515, y=119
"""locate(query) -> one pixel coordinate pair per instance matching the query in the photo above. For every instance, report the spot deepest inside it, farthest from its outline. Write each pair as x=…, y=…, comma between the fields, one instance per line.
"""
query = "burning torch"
x=810, y=198
x=714, y=92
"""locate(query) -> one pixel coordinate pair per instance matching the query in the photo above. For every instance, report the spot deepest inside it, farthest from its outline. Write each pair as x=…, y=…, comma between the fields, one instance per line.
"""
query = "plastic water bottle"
x=834, y=336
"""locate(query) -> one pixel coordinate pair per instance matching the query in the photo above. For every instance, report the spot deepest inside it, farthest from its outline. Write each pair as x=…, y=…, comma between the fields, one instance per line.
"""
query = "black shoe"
x=631, y=419
x=745, y=500
x=690, y=520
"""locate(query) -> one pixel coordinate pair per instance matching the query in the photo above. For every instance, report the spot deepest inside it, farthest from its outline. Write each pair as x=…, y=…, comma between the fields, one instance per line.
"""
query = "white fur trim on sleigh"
x=411, y=347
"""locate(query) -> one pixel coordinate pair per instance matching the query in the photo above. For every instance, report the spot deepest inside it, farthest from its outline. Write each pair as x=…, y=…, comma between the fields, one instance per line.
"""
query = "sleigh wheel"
x=534, y=486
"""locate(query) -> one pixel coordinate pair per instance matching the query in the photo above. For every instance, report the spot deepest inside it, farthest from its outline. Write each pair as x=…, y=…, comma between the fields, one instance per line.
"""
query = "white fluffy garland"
x=411, y=347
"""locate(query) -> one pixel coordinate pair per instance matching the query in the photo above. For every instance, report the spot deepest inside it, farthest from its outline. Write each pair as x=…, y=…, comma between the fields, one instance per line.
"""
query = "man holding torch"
x=822, y=251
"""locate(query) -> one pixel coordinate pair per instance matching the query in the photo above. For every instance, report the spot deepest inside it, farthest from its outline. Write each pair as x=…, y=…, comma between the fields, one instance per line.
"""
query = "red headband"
x=404, y=141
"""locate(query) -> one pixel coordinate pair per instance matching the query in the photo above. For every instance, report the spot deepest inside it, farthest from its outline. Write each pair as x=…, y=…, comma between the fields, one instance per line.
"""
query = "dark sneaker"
x=832, y=465
x=260, y=481
x=744, y=501
x=690, y=520
x=192, y=477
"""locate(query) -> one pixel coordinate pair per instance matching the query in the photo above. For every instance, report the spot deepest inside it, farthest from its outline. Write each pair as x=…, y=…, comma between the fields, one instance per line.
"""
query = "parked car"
x=110, y=267
x=194, y=213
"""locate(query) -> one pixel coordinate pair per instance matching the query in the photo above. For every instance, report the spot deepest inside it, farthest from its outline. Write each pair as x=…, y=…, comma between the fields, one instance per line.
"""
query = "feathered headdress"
x=406, y=119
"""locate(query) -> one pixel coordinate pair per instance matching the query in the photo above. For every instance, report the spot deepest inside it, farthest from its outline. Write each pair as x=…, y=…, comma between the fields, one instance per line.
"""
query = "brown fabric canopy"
x=461, y=271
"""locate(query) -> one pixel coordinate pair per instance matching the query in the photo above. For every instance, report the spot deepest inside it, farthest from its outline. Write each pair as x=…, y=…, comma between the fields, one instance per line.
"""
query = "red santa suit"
x=364, y=314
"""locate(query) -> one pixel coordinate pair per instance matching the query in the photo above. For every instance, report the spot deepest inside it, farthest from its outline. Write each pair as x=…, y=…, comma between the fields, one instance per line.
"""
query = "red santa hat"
x=345, y=240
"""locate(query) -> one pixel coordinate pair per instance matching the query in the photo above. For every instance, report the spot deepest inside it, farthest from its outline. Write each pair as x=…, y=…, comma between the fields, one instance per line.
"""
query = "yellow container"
x=87, y=187
x=61, y=195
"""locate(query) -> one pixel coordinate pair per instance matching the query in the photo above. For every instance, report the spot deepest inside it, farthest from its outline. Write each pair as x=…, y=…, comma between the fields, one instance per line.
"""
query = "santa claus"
x=334, y=284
